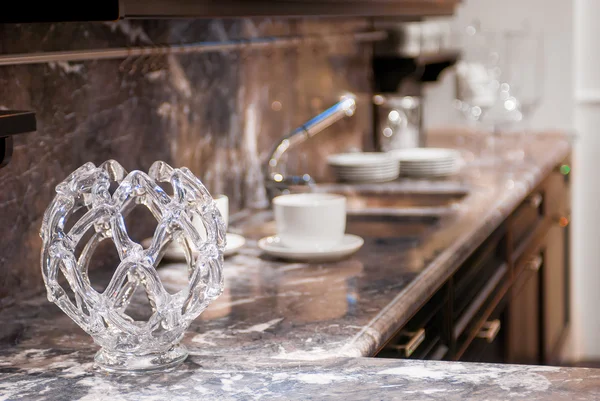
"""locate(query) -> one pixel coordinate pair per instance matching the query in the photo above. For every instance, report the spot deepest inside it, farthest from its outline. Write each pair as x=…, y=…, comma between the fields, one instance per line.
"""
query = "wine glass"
x=524, y=73
x=478, y=80
x=524, y=69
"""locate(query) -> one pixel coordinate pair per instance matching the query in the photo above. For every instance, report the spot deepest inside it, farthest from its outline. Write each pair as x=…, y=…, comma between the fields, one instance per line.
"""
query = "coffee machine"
x=413, y=53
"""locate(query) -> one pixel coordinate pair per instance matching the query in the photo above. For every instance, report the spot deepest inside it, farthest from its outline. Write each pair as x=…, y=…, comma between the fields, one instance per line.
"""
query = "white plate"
x=429, y=163
x=359, y=159
x=349, y=245
x=366, y=171
x=383, y=161
x=369, y=174
x=369, y=179
x=363, y=172
x=174, y=252
x=424, y=154
x=394, y=166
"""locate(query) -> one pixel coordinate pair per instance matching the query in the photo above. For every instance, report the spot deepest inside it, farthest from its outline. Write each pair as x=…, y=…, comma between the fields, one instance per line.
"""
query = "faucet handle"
x=348, y=103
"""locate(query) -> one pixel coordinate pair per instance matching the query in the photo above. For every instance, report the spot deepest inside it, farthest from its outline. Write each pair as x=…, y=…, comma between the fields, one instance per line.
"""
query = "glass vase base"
x=132, y=364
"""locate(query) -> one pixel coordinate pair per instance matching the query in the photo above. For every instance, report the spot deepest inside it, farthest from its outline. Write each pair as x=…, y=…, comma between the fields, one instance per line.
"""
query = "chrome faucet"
x=276, y=181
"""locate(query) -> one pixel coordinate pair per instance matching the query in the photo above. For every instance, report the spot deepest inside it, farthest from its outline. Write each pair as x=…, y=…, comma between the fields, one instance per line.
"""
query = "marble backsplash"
x=217, y=113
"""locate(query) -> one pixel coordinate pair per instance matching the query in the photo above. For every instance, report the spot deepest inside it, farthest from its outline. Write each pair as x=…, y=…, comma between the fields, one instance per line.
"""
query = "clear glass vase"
x=127, y=344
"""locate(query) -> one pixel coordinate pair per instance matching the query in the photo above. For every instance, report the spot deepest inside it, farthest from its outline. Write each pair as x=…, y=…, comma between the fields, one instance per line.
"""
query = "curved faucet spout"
x=344, y=108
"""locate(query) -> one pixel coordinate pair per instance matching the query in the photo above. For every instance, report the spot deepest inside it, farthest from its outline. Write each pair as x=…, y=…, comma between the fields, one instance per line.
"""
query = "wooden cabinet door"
x=524, y=323
x=489, y=346
x=555, y=301
x=555, y=274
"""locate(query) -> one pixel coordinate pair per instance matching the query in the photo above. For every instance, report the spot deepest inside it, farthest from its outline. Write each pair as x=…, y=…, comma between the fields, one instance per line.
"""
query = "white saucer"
x=234, y=243
x=349, y=245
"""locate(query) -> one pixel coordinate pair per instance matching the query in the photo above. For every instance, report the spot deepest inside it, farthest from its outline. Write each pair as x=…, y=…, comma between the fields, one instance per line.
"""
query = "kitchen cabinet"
x=524, y=320
x=425, y=336
x=555, y=273
x=109, y=10
x=508, y=302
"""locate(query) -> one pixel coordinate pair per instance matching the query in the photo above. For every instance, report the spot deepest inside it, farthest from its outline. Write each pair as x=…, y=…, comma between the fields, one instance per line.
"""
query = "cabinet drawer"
x=423, y=337
x=555, y=295
x=523, y=337
x=477, y=285
x=527, y=217
x=489, y=344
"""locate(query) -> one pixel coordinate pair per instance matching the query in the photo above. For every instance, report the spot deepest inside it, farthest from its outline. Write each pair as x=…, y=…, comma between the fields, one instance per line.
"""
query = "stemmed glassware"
x=524, y=73
x=477, y=73
x=498, y=87
x=478, y=79
x=525, y=68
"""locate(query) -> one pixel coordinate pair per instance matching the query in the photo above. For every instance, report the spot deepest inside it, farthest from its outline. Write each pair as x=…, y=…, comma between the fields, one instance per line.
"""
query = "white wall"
x=552, y=17
x=586, y=198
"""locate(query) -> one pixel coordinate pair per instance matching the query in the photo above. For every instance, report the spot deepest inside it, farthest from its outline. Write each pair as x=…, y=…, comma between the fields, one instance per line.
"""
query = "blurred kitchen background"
x=570, y=99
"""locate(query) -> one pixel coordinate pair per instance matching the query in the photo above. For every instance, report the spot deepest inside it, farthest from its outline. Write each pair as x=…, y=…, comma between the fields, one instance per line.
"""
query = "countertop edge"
x=382, y=327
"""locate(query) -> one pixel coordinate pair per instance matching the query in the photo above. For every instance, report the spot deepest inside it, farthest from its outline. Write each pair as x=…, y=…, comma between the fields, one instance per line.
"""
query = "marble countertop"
x=278, y=323
x=47, y=375
x=350, y=308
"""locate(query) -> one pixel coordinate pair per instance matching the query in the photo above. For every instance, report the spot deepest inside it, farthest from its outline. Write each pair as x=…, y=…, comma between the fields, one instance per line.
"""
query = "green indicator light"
x=565, y=169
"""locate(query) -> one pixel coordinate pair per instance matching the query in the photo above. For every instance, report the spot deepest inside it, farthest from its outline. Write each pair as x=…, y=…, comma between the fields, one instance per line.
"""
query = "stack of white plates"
x=427, y=162
x=364, y=167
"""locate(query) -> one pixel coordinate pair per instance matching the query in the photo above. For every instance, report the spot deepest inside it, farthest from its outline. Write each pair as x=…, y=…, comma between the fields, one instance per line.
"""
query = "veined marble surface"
x=350, y=308
x=347, y=308
x=45, y=375
x=278, y=325
x=217, y=113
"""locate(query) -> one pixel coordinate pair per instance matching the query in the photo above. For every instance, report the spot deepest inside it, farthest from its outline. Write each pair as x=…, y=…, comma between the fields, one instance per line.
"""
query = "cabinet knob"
x=489, y=330
x=535, y=200
x=416, y=338
x=564, y=169
x=562, y=221
x=535, y=263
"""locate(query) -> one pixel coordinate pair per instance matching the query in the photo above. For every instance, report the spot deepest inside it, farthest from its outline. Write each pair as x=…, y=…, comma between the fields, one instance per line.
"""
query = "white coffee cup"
x=310, y=222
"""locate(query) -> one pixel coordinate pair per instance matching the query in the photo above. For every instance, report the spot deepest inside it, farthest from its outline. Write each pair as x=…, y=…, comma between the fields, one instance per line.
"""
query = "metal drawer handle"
x=489, y=330
x=416, y=338
x=535, y=263
x=535, y=200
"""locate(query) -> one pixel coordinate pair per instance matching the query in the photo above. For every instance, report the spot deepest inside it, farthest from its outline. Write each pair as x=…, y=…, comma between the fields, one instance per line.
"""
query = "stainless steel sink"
x=400, y=211
x=397, y=199
x=408, y=228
